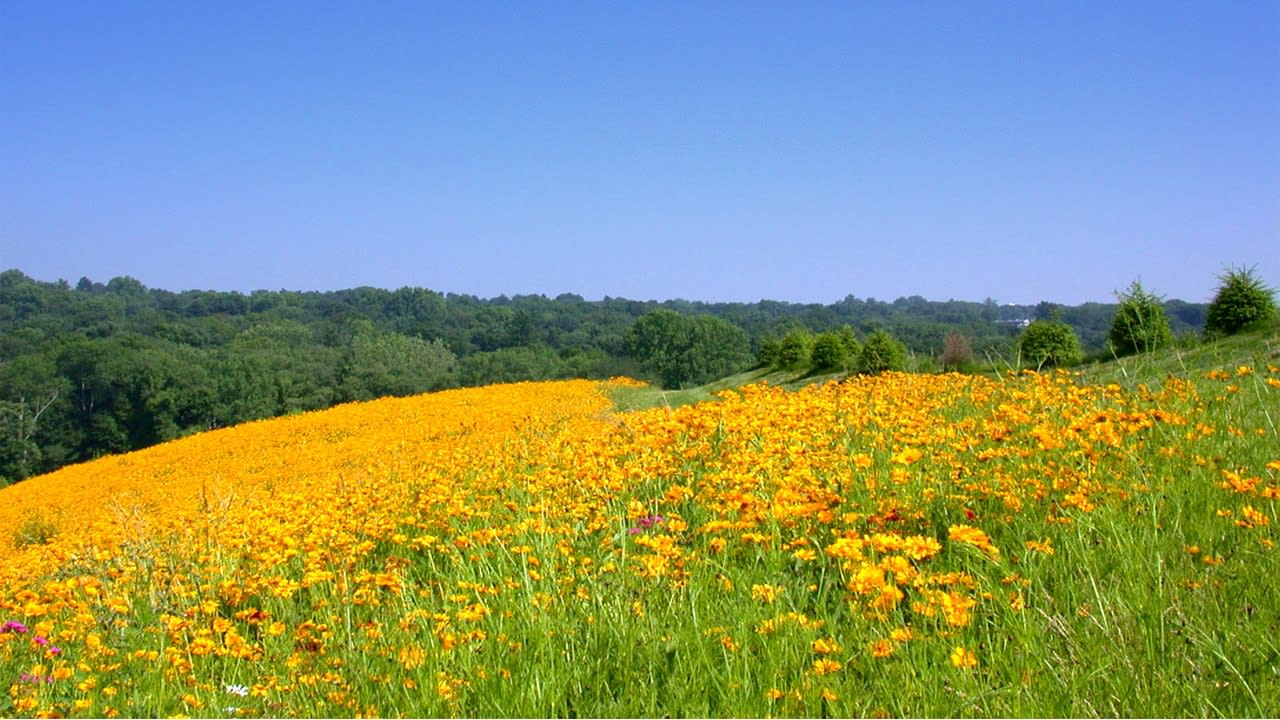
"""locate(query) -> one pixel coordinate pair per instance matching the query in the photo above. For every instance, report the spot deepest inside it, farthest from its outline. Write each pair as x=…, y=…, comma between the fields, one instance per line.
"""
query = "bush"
x=795, y=349
x=1242, y=301
x=957, y=353
x=1047, y=343
x=770, y=349
x=882, y=352
x=681, y=351
x=848, y=338
x=1139, y=324
x=35, y=530
x=829, y=352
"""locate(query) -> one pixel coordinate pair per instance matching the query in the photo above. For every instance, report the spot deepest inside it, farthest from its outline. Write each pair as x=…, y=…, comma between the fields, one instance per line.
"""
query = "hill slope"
x=895, y=545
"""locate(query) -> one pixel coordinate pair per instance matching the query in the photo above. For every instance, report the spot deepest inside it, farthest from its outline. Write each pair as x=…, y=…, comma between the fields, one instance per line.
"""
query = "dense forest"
x=95, y=368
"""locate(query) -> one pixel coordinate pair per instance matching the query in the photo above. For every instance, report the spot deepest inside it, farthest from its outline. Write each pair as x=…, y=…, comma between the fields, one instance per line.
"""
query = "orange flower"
x=972, y=536
x=825, y=666
x=962, y=657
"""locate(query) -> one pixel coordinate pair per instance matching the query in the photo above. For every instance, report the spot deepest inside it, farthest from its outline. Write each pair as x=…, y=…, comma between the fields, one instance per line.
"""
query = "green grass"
x=1184, y=359
x=649, y=397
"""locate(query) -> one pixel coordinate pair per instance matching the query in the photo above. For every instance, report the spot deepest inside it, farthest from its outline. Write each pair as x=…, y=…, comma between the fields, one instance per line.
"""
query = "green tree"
x=849, y=339
x=1140, y=324
x=767, y=356
x=880, y=352
x=525, y=362
x=1046, y=343
x=271, y=369
x=795, y=349
x=20, y=454
x=381, y=364
x=130, y=391
x=829, y=352
x=679, y=350
x=1242, y=301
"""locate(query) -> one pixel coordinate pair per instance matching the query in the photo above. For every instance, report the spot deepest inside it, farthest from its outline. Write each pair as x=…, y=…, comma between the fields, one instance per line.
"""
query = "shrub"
x=795, y=349
x=848, y=338
x=957, y=353
x=1242, y=301
x=829, y=351
x=770, y=349
x=680, y=350
x=35, y=530
x=1139, y=324
x=1048, y=343
x=882, y=352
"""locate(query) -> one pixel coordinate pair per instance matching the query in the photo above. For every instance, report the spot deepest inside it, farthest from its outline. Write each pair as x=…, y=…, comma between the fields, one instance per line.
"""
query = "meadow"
x=1028, y=544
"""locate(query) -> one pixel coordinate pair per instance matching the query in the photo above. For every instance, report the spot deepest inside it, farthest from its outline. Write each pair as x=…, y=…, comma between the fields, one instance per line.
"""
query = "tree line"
x=93, y=368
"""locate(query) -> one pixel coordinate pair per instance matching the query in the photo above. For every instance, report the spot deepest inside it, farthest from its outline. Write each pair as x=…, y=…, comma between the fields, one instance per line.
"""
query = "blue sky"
x=1022, y=151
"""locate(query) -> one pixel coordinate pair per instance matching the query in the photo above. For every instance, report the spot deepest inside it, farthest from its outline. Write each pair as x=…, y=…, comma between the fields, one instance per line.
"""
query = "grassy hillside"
x=1092, y=543
x=1247, y=349
x=643, y=397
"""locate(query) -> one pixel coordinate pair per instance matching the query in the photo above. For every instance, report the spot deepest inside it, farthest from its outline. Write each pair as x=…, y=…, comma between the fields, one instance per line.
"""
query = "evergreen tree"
x=1140, y=324
x=1242, y=301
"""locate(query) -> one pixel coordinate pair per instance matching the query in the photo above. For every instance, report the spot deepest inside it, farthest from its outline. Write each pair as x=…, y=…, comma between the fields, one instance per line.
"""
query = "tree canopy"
x=95, y=368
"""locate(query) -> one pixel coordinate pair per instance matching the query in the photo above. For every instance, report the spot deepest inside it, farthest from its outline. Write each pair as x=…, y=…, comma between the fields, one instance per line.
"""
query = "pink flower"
x=13, y=626
x=646, y=523
x=652, y=520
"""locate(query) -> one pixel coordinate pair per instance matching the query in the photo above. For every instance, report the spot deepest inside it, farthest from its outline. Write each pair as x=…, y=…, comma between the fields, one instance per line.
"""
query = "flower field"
x=888, y=545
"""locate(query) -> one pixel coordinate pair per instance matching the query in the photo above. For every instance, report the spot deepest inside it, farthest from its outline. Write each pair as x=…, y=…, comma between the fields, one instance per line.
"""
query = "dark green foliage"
x=770, y=349
x=1140, y=324
x=849, y=339
x=1047, y=343
x=381, y=364
x=795, y=349
x=679, y=350
x=1242, y=301
x=828, y=352
x=271, y=369
x=29, y=392
x=881, y=352
x=835, y=350
x=526, y=362
x=20, y=456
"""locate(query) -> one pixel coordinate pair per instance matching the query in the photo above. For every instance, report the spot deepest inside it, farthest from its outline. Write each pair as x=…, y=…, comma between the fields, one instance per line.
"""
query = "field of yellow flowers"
x=889, y=545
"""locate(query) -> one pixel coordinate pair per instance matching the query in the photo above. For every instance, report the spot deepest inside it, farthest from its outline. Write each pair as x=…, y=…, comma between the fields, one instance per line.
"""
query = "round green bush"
x=1047, y=343
x=829, y=352
x=795, y=349
x=880, y=352
x=1242, y=301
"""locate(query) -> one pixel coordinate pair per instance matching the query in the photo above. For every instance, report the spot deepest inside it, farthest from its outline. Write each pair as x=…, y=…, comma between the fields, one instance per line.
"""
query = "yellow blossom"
x=962, y=657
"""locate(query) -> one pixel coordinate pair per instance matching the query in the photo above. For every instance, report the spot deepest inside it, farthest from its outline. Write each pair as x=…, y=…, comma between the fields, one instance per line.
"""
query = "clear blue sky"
x=1022, y=151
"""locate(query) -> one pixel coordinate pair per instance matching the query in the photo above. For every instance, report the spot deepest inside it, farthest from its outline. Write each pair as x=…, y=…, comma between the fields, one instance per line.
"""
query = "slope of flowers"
x=521, y=550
